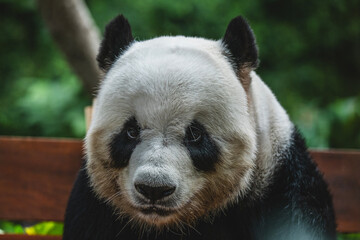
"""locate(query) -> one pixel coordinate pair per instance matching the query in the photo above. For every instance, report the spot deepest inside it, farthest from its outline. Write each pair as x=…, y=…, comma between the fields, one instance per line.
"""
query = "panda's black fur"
x=296, y=204
x=298, y=184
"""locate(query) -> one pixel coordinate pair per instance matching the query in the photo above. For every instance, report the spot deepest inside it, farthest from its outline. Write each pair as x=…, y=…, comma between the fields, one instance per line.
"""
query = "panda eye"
x=133, y=132
x=194, y=134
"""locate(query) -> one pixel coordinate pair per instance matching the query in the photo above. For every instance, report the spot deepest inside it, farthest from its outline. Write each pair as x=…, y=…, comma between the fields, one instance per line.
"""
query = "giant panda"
x=187, y=142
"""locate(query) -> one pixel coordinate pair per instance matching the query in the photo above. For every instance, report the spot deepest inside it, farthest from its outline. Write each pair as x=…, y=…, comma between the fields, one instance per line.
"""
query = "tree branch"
x=73, y=29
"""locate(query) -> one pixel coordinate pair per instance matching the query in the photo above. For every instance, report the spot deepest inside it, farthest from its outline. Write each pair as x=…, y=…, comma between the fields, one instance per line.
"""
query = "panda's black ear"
x=117, y=38
x=240, y=42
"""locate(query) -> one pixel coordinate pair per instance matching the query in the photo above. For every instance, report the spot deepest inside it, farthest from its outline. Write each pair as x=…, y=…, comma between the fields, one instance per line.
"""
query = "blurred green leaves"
x=42, y=228
x=349, y=236
x=45, y=228
x=336, y=123
x=39, y=95
x=42, y=107
x=10, y=227
x=309, y=52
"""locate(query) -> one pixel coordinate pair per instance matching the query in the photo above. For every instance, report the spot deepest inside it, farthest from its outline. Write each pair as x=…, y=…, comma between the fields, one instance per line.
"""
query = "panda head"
x=172, y=139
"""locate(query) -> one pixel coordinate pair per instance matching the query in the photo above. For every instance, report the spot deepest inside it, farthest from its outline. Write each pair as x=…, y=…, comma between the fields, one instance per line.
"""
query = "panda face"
x=172, y=139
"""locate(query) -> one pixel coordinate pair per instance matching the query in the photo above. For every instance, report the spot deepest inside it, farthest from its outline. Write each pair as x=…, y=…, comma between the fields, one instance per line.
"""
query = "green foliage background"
x=309, y=51
x=310, y=57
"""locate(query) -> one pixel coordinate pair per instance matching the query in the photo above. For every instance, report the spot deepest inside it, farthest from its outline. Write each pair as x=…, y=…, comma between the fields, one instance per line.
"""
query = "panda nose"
x=154, y=193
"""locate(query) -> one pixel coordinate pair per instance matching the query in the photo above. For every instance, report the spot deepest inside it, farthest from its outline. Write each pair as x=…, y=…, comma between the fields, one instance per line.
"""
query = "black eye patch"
x=203, y=150
x=123, y=144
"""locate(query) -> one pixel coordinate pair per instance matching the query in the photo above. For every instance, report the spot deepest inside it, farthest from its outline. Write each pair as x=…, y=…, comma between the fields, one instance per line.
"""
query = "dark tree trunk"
x=73, y=29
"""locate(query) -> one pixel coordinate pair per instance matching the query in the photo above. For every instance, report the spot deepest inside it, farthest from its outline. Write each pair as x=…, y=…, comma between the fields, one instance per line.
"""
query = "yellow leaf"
x=30, y=231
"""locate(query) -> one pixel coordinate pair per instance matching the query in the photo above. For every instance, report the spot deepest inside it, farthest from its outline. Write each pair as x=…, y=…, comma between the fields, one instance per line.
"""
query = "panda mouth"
x=156, y=210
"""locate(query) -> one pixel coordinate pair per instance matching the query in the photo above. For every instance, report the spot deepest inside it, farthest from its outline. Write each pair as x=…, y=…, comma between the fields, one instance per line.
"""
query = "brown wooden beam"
x=36, y=177
x=341, y=170
x=28, y=237
x=37, y=174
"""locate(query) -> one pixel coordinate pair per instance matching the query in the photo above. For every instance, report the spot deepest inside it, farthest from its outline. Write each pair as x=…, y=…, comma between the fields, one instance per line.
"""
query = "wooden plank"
x=342, y=172
x=36, y=176
x=28, y=237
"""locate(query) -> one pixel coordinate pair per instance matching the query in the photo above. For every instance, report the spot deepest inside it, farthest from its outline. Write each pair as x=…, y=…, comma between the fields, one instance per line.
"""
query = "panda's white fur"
x=165, y=83
x=273, y=129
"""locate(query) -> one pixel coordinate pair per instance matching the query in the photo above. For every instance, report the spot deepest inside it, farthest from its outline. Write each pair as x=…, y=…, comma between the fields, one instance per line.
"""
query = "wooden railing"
x=36, y=177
